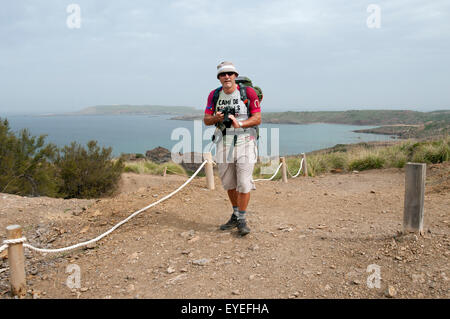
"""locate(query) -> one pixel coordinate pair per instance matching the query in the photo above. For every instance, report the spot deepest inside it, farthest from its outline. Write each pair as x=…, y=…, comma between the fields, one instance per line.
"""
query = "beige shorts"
x=235, y=164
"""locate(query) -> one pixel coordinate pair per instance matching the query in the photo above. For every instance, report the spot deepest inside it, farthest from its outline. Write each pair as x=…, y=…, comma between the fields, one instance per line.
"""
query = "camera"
x=227, y=110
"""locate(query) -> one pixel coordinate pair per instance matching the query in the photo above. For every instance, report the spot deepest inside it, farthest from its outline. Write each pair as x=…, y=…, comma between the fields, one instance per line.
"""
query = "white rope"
x=301, y=165
x=112, y=229
x=269, y=179
x=15, y=241
x=8, y=242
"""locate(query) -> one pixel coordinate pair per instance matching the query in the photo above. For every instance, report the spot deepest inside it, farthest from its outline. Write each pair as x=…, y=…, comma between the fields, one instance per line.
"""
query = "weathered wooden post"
x=165, y=171
x=16, y=261
x=209, y=170
x=283, y=169
x=414, y=197
x=305, y=165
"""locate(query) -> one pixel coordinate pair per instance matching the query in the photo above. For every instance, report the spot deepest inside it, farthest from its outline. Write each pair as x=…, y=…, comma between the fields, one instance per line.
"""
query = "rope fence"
x=16, y=242
x=21, y=240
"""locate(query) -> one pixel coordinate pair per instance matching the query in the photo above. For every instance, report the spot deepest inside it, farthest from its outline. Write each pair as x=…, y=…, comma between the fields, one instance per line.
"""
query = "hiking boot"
x=233, y=222
x=242, y=227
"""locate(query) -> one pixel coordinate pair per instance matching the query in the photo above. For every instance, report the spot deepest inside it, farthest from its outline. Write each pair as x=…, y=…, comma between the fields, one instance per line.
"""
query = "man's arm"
x=254, y=120
x=210, y=119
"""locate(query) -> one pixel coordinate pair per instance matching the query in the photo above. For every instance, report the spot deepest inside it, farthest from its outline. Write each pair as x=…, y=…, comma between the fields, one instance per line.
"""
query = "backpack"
x=243, y=83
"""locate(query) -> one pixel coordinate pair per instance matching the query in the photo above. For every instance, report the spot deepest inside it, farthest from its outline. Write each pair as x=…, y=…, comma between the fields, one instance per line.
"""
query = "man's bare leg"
x=242, y=201
x=233, y=196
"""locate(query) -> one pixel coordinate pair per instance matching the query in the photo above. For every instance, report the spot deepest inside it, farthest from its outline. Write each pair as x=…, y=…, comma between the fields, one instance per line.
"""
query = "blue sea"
x=139, y=133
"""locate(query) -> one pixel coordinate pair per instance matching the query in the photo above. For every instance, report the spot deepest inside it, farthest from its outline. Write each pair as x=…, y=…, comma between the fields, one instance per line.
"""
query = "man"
x=236, y=151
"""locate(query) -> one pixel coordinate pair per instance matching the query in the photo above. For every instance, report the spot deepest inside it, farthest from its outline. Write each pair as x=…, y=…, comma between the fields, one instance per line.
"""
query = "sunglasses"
x=226, y=73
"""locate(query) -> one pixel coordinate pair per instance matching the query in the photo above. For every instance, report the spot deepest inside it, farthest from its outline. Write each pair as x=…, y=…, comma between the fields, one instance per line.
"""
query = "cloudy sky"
x=305, y=55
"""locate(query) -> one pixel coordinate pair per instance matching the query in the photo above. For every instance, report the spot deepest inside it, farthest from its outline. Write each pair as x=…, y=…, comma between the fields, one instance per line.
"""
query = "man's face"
x=227, y=79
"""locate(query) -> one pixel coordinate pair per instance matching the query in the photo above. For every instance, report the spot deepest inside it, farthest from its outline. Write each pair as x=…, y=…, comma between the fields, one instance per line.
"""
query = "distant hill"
x=136, y=110
x=357, y=117
x=402, y=123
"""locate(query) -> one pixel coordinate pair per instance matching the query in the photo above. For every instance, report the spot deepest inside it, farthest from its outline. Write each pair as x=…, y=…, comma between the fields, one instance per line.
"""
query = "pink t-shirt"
x=230, y=99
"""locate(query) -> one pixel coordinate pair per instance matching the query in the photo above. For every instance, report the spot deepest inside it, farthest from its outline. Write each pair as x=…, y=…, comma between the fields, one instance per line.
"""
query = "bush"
x=149, y=167
x=336, y=160
x=316, y=165
x=26, y=164
x=394, y=156
x=88, y=173
x=370, y=161
x=436, y=152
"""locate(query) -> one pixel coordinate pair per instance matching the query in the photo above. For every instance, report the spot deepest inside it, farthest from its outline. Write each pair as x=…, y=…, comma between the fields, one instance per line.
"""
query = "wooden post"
x=165, y=171
x=209, y=171
x=305, y=165
x=283, y=169
x=16, y=261
x=414, y=197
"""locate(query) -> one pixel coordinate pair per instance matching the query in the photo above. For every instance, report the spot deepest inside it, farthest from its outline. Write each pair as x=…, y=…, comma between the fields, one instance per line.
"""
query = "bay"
x=139, y=133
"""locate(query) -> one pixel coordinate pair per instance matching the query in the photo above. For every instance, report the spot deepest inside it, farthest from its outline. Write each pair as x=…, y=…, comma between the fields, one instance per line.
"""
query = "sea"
x=140, y=133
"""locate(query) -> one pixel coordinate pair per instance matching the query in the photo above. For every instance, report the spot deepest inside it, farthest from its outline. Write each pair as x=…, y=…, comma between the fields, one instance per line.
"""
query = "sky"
x=309, y=55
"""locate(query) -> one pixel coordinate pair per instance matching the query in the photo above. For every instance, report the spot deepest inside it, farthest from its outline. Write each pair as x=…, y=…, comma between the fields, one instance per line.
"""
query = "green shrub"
x=26, y=164
x=173, y=168
x=336, y=160
x=316, y=165
x=394, y=156
x=131, y=168
x=370, y=161
x=436, y=152
x=149, y=167
x=88, y=173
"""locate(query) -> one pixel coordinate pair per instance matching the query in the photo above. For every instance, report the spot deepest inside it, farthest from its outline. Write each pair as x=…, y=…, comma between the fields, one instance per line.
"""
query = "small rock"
x=193, y=239
x=188, y=233
x=236, y=292
x=183, y=270
x=251, y=277
x=356, y=282
x=84, y=229
x=254, y=247
x=327, y=287
x=200, y=262
x=390, y=292
x=84, y=289
x=170, y=270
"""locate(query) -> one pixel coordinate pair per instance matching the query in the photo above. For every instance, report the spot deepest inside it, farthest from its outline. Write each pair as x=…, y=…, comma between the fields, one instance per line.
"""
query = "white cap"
x=226, y=67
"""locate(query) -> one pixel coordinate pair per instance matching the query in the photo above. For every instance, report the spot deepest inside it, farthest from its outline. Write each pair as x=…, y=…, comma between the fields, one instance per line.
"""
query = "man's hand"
x=219, y=117
x=235, y=122
x=209, y=119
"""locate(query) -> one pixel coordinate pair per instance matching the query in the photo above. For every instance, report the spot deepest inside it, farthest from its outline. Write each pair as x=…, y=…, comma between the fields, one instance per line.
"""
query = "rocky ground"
x=321, y=237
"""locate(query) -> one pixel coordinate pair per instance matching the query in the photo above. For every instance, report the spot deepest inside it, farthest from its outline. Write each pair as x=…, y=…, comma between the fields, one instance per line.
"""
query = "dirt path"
x=310, y=238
